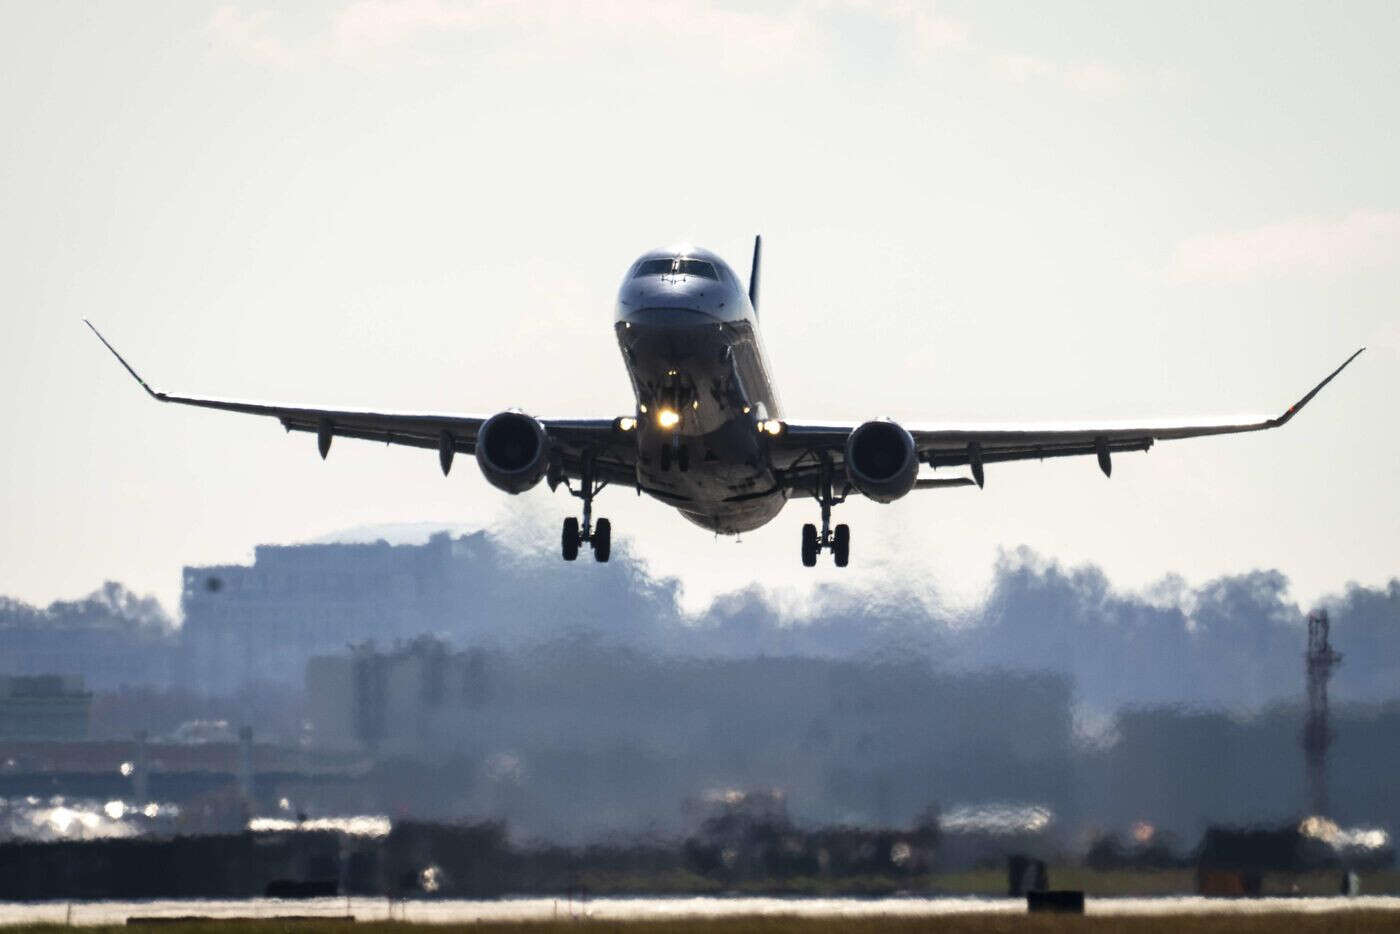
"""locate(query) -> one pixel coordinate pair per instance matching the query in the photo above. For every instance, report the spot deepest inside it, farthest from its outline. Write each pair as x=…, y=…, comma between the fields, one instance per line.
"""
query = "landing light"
x=626, y=423
x=667, y=418
x=772, y=426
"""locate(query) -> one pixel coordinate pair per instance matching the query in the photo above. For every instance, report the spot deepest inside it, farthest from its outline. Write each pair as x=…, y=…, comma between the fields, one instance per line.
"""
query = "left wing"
x=571, y=439
x=977, y=445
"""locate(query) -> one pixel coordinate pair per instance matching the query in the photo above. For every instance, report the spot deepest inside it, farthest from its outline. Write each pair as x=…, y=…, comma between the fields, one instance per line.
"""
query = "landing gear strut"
x=598, y=536
x=838, y=541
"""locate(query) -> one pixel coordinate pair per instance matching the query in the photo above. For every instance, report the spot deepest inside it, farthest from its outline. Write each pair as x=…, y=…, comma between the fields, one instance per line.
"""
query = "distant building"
x=391, y=701
x=575, y=736
x=261, y=622
x=45, y=708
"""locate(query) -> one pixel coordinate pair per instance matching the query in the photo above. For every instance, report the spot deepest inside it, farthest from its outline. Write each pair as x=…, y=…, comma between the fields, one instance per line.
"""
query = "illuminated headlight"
x=772, y=426
x=668, y=418
x=626, y=423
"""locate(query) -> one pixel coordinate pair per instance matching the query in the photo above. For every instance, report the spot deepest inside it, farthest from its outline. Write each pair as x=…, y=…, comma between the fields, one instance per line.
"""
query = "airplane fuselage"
x=703, y=390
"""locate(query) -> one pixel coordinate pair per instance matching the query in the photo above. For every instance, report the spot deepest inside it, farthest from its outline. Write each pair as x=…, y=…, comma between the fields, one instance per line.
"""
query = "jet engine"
x=881, y=461
x=512, y=450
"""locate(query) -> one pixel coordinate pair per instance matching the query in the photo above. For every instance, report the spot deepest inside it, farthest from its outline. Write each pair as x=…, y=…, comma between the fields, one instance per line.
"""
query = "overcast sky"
x=973, y=211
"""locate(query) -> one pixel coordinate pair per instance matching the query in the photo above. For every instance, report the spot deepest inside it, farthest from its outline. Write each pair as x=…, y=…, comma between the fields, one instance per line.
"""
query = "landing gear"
x=570, y=539
x=602, y=540
x=841, y=545
x=838, y=541
x=809, y=545
x=598, y=536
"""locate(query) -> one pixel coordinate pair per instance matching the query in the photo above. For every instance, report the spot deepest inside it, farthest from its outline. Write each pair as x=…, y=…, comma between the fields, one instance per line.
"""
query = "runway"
x=462, y=911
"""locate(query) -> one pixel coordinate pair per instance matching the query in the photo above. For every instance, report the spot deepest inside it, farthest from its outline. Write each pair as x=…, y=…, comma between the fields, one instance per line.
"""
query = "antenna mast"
x=1317, y=730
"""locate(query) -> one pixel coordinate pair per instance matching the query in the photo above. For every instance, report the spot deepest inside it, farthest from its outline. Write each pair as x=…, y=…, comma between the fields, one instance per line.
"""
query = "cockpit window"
x=679, y=266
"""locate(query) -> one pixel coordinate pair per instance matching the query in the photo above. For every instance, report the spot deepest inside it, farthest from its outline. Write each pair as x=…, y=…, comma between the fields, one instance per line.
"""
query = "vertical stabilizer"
x=753, y=273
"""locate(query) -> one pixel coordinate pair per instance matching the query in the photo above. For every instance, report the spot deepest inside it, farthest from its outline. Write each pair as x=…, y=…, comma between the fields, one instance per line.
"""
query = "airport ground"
x=1340, y=922
x=989, y=882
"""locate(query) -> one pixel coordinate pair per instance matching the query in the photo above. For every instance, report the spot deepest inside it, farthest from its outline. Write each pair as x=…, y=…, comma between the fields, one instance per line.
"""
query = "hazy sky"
x=973, y=211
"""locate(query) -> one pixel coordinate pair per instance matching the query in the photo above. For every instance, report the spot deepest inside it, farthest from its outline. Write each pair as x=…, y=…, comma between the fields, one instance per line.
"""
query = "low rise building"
x=46, y=708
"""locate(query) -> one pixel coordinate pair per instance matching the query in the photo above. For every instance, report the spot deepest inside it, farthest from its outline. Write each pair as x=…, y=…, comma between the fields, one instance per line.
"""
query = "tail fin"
x=753, y=273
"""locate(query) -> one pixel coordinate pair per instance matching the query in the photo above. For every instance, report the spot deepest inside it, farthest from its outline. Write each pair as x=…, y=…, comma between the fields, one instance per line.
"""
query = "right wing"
x=976, y=445
x=572, y=439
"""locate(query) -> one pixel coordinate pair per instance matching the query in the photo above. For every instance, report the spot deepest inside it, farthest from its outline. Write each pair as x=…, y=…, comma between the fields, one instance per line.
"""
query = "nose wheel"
x=597, y=535
x=837, y=540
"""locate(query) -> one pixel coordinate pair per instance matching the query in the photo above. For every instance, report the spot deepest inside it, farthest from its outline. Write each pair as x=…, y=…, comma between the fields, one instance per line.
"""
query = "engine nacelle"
x=512, y=450
x=881, y=460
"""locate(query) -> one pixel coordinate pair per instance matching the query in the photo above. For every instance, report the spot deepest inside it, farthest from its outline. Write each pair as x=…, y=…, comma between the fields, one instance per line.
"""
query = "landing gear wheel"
x=841, y=545
x=602, y=540
x=809, y=545
x=665, y=457
x=683, y=458
x=570, y=539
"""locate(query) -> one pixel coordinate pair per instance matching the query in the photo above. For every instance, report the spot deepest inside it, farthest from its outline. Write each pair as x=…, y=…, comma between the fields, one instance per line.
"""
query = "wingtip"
x=1358, y=352
x=1296, y=407
x=120, y=359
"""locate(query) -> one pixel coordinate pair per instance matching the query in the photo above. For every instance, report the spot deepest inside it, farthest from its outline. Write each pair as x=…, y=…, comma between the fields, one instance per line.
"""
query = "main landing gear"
x=837, y=540
x=599, y=535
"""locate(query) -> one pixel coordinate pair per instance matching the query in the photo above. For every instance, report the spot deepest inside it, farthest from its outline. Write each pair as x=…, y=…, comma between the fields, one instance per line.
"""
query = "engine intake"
x=881, y=460
x=512, y=450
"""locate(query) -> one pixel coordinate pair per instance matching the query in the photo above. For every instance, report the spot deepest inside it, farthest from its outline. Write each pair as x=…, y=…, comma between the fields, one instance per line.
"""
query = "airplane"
x=707, y=434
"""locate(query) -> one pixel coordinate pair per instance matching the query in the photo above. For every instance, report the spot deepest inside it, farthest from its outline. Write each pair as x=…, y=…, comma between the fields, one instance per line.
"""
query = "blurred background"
x=972, y=212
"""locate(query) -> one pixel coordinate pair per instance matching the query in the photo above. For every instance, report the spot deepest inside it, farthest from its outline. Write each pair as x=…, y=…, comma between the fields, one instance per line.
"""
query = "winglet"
x=134, y=375
x=753, y=272
x=1296, y=407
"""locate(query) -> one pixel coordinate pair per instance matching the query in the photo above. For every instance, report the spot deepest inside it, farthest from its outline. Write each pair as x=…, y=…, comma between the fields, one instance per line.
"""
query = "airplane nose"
x=667, y=318
x=674, y=301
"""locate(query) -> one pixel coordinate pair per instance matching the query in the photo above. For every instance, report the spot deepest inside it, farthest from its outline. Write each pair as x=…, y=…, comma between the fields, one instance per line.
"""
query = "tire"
x=809, y=545
x=665, y=457
x=841, y=545
x=683, y=458
x=602, y=540
x=569, y=540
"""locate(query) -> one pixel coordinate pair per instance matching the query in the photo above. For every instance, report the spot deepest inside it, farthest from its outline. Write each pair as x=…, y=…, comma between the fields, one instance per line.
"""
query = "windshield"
x=680, y=266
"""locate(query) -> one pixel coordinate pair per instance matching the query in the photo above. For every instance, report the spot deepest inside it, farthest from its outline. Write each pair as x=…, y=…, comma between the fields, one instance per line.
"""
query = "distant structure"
x=249, y=623
x=396, y=701
x=102, y=637
x=1317, y=730
x=44, y=707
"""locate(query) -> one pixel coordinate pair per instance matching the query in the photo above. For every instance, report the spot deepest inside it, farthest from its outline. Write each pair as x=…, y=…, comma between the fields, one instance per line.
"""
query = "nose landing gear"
x=599, y=535
x=838, y=540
